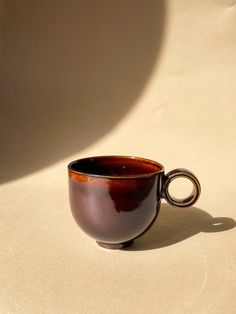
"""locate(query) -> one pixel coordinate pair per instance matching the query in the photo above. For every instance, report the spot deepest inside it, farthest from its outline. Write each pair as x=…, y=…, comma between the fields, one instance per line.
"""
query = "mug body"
x=115, y=199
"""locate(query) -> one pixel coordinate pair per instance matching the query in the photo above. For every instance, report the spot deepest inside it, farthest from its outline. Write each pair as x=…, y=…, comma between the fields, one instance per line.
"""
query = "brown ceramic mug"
x=116, y=199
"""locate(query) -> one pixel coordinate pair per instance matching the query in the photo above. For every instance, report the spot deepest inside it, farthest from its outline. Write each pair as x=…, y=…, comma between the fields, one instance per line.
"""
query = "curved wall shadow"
x=71, y=71
x=174, y=225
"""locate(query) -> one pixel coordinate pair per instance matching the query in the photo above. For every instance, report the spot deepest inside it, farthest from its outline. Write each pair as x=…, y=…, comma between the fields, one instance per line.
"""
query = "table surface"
x=184, y=117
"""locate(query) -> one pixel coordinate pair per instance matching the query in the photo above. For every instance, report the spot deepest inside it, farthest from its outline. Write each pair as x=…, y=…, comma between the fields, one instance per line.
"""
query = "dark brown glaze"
x=119, y=202
x=115, y=199
x=115, y=166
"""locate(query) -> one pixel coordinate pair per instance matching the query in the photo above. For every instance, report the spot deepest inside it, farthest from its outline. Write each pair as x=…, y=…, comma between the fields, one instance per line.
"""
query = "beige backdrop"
x=147, y=78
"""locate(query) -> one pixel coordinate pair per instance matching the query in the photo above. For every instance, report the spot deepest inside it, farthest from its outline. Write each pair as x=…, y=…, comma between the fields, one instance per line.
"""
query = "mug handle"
x=183, y=202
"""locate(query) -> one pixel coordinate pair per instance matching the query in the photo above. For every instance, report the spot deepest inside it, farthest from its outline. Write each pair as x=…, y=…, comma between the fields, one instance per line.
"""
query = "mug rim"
x=135, y=176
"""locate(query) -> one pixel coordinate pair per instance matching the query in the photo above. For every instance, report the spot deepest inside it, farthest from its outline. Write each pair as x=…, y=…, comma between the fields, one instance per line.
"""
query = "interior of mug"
x=115, y=166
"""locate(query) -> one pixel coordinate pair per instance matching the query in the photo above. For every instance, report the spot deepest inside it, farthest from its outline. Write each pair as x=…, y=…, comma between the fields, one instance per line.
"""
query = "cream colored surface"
x=185, y=116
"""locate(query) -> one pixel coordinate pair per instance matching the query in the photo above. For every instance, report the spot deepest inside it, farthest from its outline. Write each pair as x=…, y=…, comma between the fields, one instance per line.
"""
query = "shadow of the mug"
x=174, y=225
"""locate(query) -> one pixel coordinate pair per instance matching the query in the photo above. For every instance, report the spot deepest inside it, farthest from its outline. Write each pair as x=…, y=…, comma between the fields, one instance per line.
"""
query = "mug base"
x=115, y=246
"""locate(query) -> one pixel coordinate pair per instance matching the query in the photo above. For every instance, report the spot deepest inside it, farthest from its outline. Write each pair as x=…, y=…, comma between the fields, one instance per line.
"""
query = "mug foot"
x=115, y=246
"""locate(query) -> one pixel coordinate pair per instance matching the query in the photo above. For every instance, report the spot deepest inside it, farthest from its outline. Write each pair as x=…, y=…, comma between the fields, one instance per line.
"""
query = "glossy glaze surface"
x=116, y=198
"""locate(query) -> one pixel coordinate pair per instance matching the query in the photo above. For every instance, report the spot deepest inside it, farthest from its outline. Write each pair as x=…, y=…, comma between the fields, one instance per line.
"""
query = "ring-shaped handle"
x=187, y=201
